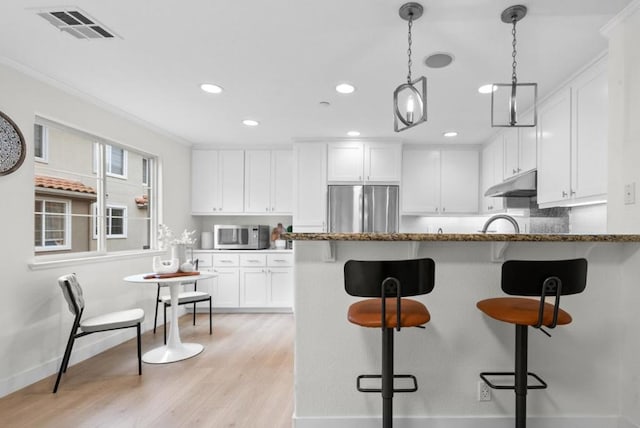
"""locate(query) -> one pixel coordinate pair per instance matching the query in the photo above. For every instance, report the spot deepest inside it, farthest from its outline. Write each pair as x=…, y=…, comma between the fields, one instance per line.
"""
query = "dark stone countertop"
x=470, y=237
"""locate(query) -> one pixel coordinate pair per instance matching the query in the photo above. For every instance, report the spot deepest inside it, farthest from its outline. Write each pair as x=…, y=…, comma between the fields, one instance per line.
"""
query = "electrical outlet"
x=484, y=392
x=630, y=193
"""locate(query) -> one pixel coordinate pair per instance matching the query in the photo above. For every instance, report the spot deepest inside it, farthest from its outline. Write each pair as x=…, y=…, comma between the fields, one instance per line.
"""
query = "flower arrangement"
x=167, y=239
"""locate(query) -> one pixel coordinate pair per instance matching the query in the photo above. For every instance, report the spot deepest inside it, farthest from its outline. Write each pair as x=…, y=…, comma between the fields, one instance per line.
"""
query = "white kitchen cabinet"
x=248, y=279
x=520, y=147
x=492, y=173
x=439, y=181
x=357, y=162
x=572, y=153
x=268, y=177
x=309, y=187
x=217, y=181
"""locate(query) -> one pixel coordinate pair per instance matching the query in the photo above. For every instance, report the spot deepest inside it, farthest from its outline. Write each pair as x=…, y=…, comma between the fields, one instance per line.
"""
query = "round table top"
x=184, y=278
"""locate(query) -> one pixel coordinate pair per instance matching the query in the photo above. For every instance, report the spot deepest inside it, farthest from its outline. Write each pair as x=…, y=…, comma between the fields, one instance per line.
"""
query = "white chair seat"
x=113, y=320
x=187, y=297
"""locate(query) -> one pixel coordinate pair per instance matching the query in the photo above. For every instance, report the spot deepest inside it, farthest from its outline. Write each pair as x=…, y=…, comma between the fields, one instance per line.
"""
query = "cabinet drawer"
x=250, y=260
x=204, y=260
x=226, y=260
x=279, y=260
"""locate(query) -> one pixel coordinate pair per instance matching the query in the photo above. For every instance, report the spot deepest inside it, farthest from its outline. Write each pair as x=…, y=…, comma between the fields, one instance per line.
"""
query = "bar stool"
x=532, y=278
x=393, y=280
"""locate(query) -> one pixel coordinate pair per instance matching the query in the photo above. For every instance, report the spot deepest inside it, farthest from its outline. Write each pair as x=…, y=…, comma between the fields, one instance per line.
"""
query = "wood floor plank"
x=243, y=378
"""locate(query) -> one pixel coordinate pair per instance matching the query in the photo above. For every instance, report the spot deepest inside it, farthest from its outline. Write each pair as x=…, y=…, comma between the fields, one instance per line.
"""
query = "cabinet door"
x=345, y=162
x=492, y=170
x=310, y=187
x=257, y=181
x=382, y=162
x=204, y=181
x=554, y=149
x=511, y=152
x=281, y=287
x=281, y=181
x=420, y=181
x=226, y=288
x=589, y=154
x=253, y=287
x=527, y=146
x=231, y=179
x=459, y=181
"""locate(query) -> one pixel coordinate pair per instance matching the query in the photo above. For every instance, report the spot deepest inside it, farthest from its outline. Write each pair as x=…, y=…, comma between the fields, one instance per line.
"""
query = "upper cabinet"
x=217, y=181
x=439, y=181
x=492, y=173
x=268, y=181
x=520, y=147
x=572, y=135
x=309, y=187
x=357, y=162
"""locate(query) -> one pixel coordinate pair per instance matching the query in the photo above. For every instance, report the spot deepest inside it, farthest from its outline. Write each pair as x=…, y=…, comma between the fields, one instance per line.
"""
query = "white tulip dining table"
x=174, y=350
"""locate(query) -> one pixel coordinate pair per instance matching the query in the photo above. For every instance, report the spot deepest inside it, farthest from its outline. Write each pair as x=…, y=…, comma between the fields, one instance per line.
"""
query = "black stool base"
x=540, y=385
x=398, y=376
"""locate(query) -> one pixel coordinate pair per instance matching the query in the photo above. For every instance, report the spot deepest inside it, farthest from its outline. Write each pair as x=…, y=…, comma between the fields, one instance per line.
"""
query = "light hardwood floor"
x=243, y=378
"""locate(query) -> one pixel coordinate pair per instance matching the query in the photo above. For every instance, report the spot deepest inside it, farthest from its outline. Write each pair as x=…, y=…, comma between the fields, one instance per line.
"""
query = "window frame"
x=109, y=165
x=108, y=219
x=44, y=143
x=67, y=225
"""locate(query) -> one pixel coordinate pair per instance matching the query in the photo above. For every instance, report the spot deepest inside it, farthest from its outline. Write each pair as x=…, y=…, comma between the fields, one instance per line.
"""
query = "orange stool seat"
x=521, y=311
x=366, y=313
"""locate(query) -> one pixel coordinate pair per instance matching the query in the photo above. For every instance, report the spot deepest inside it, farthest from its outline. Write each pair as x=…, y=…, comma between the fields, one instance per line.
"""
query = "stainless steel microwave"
x=230, y=237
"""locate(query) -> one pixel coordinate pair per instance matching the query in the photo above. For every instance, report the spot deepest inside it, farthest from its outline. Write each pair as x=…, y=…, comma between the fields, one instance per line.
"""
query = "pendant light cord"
x=409, y=63
x=514, y=78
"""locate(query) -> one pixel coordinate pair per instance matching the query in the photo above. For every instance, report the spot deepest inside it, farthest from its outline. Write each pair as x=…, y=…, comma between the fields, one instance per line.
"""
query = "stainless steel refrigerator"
x=363, y=208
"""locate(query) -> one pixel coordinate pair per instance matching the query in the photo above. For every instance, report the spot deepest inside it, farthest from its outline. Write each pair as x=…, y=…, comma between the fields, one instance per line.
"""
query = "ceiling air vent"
x=78, y=23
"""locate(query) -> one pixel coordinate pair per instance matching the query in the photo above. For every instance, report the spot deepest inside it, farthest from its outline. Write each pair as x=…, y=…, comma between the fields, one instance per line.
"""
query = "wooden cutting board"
x=169, y=275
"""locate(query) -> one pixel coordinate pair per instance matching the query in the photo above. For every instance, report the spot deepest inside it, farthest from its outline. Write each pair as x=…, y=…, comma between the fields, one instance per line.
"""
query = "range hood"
x=522, y=185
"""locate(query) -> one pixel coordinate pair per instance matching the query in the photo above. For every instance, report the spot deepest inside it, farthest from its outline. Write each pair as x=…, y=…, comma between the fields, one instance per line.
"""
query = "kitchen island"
x=590, y=365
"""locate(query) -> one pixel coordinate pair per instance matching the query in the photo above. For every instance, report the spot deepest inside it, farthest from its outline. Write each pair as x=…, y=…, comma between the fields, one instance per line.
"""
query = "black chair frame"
x=74, y=335
x=360, y=282
x=168, y=304
x=528, y=278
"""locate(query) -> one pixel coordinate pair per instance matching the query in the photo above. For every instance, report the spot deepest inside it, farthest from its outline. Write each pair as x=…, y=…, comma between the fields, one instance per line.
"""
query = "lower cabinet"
x=248, y=279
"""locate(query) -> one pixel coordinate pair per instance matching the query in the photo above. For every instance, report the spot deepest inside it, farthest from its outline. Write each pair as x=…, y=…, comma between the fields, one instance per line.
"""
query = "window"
x=145, y=171
x=116, y=162
x=115, y=221
x=40, y=143
x=95, y=210
x=52, y=231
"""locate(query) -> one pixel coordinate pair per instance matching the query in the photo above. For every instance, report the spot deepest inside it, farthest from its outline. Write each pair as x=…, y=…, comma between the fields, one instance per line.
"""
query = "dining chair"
x=184, y=298
x=111, y=321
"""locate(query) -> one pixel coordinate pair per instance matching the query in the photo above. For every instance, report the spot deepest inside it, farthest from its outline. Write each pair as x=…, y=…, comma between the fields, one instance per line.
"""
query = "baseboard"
x=463, y=422
x=202, y=310
x=81, y=351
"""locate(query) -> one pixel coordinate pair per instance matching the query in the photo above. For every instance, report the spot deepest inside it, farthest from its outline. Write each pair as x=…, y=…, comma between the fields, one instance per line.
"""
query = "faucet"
x=501, y=216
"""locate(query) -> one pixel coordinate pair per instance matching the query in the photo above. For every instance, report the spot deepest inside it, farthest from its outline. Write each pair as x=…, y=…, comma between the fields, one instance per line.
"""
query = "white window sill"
x=50, y=262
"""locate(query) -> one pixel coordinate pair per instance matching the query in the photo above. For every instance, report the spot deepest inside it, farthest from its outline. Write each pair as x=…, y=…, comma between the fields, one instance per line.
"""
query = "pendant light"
x=507, y=99
x=410, y=99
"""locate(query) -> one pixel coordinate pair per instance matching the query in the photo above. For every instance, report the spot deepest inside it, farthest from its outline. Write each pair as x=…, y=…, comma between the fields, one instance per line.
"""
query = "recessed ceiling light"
x=353, y=134
x=211, y=88
x=345, y=88
x=438, y=60
x=450, y=134
x=250, y=122
x=487, y=89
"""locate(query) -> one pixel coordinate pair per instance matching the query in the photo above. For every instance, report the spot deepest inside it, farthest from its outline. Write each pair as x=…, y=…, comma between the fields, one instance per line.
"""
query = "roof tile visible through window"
x=63, y=184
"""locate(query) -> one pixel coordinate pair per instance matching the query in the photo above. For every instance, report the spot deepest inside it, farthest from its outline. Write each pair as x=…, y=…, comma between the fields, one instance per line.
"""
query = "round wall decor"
x=12, y=146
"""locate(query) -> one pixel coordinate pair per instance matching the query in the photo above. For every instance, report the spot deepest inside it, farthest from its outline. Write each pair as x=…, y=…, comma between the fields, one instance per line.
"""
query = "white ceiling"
x=278, y=59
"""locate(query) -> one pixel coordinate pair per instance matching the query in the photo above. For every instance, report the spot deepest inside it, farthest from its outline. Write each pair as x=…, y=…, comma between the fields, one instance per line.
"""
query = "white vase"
x=179, y=251
x=165, y=266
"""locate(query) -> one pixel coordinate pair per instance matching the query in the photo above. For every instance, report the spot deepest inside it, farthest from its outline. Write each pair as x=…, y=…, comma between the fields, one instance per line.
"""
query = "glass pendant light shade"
x=409, y=103
x=410, y=99
x=511, y=102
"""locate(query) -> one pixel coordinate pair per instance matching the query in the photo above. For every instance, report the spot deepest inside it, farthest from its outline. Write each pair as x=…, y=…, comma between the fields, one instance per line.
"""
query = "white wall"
x=624, y=161
x=35, y=321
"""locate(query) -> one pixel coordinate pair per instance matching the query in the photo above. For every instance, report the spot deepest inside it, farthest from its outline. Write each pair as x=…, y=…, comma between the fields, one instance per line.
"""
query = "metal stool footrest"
x=540, y=385
x=398, y=376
